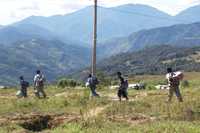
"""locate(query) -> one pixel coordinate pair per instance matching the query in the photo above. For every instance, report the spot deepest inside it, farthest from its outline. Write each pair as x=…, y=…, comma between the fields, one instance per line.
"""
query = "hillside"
x=183, y=35
x=153, y=60
x=53, y=57
x=12, y=34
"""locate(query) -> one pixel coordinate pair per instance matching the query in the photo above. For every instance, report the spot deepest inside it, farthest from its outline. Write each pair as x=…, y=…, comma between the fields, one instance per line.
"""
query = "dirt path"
x=95, y=112
x=114, y=97
x=61, y=94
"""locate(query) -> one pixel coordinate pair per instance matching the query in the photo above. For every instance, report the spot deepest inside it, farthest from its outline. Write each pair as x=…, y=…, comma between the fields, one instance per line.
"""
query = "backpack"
x=174, y=82
x=25, y=84
x=95, y=81
x=125, y=84
x=40, y=80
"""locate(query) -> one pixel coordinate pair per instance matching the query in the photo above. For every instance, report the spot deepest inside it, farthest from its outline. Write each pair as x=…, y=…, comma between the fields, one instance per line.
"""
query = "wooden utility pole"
x=94, y=40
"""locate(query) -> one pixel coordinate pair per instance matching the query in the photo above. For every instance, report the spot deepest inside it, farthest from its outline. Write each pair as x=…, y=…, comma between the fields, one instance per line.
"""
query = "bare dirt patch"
x=94, y=112
x=39, y=122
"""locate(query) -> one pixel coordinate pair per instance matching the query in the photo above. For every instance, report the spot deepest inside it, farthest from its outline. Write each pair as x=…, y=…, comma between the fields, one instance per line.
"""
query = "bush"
x=103, y=79
x=67, y=83
x=185, y=83
x=151, y=87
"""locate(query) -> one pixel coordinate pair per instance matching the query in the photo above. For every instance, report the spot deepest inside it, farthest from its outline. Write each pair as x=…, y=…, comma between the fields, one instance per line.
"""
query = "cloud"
x=34, y=6
x=15, y=10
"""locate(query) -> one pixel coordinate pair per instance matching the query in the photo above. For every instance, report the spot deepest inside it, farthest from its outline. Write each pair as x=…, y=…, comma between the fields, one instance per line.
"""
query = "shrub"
x=103, y=78
x=185, y=83
x=67, y=83
x=151, y=87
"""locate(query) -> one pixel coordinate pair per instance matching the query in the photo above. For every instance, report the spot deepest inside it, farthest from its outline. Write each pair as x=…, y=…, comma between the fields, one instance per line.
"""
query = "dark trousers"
x=122, y=93
x=24, y=92
x=40, y=90
x=93, y=91
x=175, y=90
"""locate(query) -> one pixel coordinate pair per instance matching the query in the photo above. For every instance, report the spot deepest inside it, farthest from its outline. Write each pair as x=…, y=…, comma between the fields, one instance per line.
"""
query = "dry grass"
x=72, y=110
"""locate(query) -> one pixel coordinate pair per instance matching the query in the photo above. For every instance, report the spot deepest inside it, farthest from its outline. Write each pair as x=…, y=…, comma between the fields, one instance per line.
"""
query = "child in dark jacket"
x=122, y=92
x=24, y=85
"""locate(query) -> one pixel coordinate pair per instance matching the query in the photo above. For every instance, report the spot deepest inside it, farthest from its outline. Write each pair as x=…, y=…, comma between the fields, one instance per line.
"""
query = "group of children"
x=39, y=79
x=38, y=84
x=173, y=79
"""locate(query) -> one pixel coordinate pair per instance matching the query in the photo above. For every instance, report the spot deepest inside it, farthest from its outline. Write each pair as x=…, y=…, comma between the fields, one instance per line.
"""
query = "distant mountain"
x=153, y=60
x=11, y=34
x=53, y=57
x=112, y=22
x=184, y=35
x=189, y=15
x=58, y=44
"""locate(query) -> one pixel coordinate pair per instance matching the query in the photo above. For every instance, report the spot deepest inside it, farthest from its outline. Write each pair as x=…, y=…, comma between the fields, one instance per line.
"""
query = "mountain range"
x=183, y=35
x=113, y=22
x=58, y=45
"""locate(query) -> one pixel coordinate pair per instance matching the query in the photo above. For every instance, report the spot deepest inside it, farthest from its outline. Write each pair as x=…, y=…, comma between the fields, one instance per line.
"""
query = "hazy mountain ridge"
x=112, y=22
x=184, y=35
x=12, y=34
x=189, y=15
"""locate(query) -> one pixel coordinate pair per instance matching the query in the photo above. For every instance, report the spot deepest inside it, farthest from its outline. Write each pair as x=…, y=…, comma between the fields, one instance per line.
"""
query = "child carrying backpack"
x=92, y=83
x=39, y=84
x=122, y=91
x=174, y=82
x=23, y=89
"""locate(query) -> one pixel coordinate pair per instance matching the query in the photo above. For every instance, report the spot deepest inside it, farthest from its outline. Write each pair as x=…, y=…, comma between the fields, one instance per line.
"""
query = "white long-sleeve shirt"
x=37, y=79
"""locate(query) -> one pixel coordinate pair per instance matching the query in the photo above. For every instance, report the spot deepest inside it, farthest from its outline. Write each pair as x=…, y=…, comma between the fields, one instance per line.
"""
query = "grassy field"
x=72, y=110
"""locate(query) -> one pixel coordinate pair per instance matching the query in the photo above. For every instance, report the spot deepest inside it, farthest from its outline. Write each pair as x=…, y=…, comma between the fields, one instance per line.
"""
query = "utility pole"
x=94, y=40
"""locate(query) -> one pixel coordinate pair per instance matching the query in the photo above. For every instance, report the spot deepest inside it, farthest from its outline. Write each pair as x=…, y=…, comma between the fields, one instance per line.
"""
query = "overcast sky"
x=15, y=10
